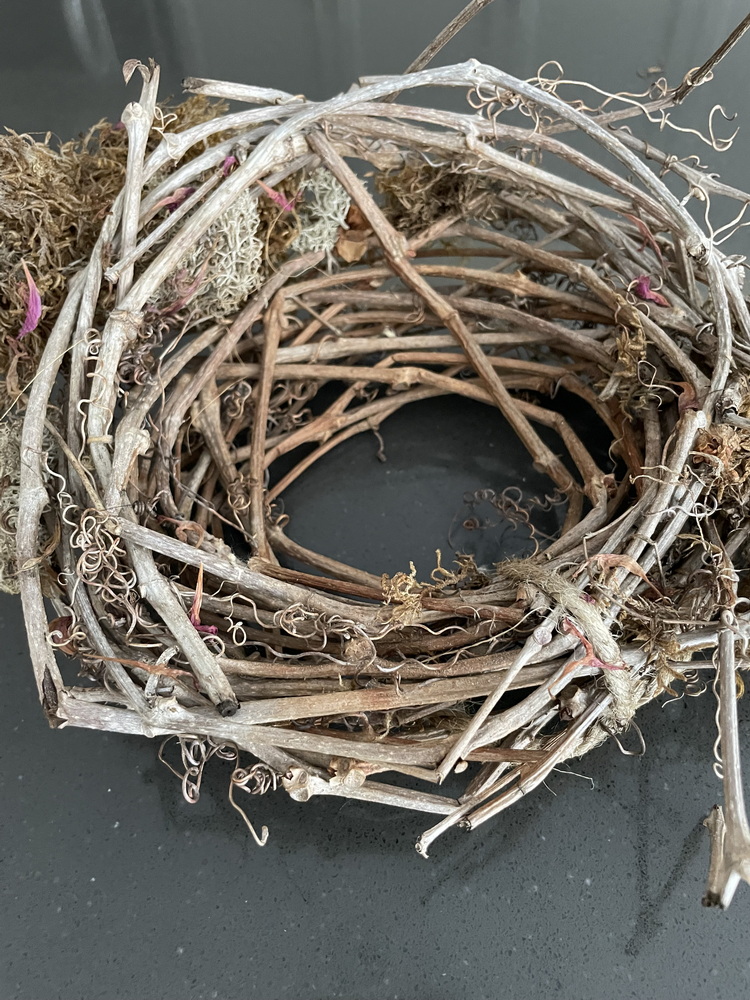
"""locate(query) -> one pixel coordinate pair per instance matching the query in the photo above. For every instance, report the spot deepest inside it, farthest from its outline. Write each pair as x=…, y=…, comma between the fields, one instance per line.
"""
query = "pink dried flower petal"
x=186, y=292
x=174, y=200
x=590, y=659
x=195, y=621
x=194, y=614
x=280, y=200
x=33, y=305
x=230, y=162
x=596, y=662
x=642, y=288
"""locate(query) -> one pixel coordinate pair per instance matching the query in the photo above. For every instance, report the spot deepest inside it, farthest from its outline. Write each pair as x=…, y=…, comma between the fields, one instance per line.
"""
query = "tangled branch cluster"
x=487, y=257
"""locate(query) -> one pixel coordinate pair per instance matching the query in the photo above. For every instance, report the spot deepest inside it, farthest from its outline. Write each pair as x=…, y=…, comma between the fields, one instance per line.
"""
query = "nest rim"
x=108, y=460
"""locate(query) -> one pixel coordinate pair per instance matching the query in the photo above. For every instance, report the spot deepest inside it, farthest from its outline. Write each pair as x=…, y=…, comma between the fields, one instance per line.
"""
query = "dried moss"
x=722, y=455
x=323, y=215
x=53, y=199
x=10, y=469
x=419, y=194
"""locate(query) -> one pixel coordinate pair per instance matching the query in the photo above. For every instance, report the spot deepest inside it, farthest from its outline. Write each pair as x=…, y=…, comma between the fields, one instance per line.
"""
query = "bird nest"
x=251, y=301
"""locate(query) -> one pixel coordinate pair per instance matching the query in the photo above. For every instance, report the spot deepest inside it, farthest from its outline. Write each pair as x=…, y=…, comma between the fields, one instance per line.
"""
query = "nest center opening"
x=446, y=474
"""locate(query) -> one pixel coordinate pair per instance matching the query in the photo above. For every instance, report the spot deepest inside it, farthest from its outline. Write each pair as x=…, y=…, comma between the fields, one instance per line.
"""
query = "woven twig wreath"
x=244, y=266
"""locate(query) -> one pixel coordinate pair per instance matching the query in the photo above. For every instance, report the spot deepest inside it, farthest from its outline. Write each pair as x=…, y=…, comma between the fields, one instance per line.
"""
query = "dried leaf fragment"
x=351, y=245
x=648, y=236
x=688, y=398
x=131, y=65
x=608, y=560
x=61, y=633
x=195, y=608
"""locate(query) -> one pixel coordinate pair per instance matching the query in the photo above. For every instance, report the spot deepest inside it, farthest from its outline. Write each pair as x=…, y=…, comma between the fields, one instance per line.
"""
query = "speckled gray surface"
x=111, y=887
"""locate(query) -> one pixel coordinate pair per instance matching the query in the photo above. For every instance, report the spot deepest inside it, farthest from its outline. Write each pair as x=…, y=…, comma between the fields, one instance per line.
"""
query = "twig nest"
x=245, y=266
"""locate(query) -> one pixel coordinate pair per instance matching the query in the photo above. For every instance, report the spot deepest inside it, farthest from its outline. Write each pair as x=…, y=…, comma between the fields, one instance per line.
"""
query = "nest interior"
x=255, y=297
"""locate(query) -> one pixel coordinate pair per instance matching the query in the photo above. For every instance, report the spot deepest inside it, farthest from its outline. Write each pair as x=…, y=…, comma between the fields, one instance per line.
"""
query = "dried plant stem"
x=705, y=72
x=449, y=31
x=730, y=832
x=395, y=254
x=464, y=741
x=47, y=673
